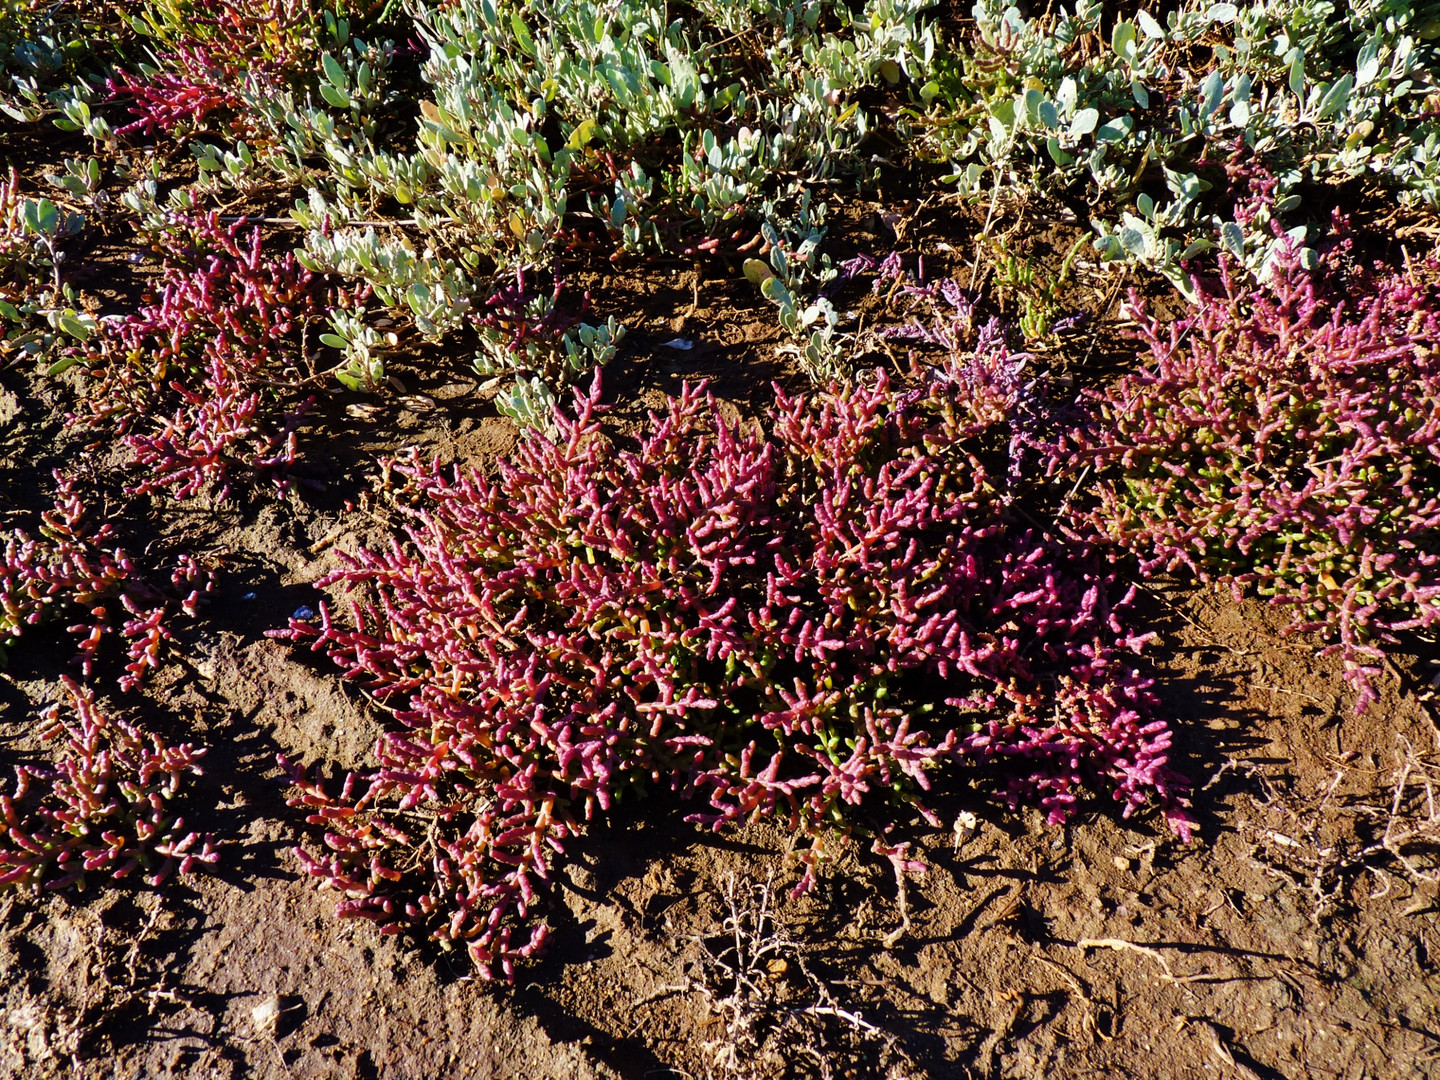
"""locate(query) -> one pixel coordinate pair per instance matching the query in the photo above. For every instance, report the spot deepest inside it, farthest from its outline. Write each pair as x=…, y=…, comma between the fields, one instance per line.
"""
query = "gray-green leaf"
x=1233, y=237
x=1211, y=93
x=74, y=327
x=1084, y=121
x=334, y=73
x=1336, y=96
x=1115, y=130
x=1367, y=64
x=1297, y=76
x=1122, y=40
x=1132, y=240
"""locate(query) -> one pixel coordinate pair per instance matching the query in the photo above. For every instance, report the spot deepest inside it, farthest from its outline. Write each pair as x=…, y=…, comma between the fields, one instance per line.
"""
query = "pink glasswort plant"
x=70, y=571
x=209, y=54
x=104, y=807
x=167, y=102
x=204, y=383
x=794, y=620
x=1287, y=440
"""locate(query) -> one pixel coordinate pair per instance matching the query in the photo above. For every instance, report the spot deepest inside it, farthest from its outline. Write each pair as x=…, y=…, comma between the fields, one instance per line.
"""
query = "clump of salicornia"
x=1286, y=440
x=207, y=60
x=72, y=571
x=207, y=382
x=103, y=807
x=169, y=102
x=795, y=620
x=934, y=316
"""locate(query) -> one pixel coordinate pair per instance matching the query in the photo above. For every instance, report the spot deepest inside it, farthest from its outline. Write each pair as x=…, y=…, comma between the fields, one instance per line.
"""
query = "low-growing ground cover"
x=697, y=527
x=1285, y=441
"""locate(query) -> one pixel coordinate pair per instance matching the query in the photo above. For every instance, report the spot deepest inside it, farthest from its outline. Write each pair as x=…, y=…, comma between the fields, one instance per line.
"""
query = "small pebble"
x=249, y=596
x=304, y=612
x=1121, y=863
x=965, y=825
x=264, y=1015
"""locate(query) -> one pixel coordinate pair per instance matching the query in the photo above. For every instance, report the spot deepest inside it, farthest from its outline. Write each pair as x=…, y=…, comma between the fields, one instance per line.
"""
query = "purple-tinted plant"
x=104, y=808
x=209, y=53
x=520, y=320
x=71, y=571
x=167, y=102
x=937, y=316
x=206, y=383
x=798, y=620
x=1286, y=440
